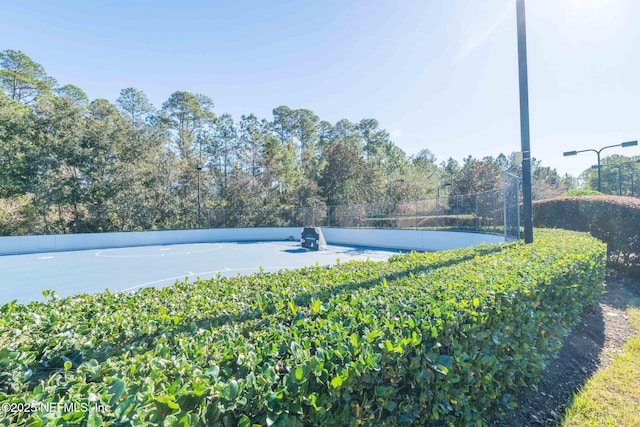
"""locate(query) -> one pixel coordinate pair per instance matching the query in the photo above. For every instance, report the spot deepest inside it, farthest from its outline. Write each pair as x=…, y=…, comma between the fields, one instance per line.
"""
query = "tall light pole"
x=619, y=166
x=599, y=166
x=632, y=177
x=524, y=122
x=199, y=214
x=619, y=176
x=199, y=168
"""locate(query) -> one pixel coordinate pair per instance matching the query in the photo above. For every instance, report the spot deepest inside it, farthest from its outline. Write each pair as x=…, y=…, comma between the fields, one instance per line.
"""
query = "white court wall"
x=420, y=240
x=73, y=242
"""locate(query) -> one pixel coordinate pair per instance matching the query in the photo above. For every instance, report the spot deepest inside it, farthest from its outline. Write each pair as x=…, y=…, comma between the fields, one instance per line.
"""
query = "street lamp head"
x=629, y=144
x=569, y=153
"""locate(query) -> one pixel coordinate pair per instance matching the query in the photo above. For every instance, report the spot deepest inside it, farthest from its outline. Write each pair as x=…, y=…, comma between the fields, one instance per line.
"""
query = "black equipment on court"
x=312, y=238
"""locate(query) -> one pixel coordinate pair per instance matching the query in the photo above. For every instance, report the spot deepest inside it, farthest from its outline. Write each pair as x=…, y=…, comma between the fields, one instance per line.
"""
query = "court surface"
x=24, y=277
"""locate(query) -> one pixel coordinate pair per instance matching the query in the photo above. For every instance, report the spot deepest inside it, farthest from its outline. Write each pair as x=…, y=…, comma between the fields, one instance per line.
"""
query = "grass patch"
x=611, y=397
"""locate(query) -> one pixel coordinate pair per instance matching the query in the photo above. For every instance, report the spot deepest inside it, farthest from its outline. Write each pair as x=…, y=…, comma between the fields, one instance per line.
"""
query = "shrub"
x=575, y=193
x=612, y=219
x=433, y=338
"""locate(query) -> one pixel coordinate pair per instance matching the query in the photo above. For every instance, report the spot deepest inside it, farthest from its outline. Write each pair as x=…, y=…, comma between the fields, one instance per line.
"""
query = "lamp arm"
x=609, y=146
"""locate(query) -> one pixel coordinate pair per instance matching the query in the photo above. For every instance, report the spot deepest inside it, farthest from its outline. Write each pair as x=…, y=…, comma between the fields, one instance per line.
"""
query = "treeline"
x=69, y=164
x=619, y=176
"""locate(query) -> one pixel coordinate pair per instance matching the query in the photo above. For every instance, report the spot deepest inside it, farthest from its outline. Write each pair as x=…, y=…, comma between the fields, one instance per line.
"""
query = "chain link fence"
x=511, y=197
x=494, y=211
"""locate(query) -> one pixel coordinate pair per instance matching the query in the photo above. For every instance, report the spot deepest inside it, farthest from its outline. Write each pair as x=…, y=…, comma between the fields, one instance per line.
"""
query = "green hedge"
x=436, y=338
x=612, y=219
x=575, y=193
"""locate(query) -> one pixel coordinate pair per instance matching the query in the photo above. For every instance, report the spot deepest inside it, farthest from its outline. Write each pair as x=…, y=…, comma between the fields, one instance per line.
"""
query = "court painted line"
x=208, y=273
x=106, y=253
x=46, y=257
x=155, y=282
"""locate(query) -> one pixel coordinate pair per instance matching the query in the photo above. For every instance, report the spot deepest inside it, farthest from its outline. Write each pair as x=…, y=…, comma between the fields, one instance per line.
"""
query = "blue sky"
x=437, y=74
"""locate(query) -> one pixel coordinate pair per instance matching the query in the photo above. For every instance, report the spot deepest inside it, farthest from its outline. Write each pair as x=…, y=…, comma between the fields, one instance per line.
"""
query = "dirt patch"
x=599, y=335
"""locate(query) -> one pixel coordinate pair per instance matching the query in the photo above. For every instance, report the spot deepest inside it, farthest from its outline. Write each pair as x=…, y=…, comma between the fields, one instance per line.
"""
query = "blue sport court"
x=25, y=277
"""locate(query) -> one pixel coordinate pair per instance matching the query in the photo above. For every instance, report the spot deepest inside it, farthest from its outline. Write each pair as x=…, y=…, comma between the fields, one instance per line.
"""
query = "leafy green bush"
x=446, y=337
x=612, y=219
x=575, y=193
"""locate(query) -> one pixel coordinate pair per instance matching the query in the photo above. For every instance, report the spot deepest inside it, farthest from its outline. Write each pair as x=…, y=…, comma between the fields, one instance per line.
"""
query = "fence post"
x=494, y=205
x=457, y=212
x=476, y=215
x=518, y=207
x=504, y=203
